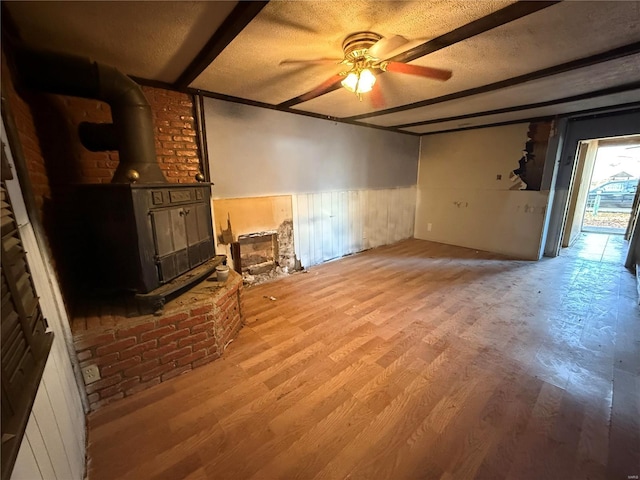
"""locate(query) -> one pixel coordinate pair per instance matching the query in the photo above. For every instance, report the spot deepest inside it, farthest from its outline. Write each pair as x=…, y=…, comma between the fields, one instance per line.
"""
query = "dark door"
x=200, y=246
x=170, y=237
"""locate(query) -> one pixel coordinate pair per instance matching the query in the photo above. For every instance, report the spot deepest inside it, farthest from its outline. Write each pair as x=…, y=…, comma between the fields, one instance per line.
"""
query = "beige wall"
x=461, y=202
x=250, y=215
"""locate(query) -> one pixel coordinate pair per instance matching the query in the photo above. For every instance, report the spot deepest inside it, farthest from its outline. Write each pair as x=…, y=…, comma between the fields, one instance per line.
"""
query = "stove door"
x=170, y=238
x=200, y=244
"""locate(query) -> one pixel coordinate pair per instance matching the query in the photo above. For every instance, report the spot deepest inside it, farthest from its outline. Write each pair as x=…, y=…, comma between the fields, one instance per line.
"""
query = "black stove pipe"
x=132, y=131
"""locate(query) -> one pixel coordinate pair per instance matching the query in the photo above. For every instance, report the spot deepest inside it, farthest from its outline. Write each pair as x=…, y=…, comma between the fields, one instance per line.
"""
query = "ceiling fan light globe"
x=367, y=80
x=350, y=82
x=359, y=82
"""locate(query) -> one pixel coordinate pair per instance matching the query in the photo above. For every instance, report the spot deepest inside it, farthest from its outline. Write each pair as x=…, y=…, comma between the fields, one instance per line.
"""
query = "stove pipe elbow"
x=132, y=131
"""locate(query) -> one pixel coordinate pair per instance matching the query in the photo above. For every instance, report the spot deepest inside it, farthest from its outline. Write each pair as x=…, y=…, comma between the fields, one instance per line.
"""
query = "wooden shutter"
x=25, y=344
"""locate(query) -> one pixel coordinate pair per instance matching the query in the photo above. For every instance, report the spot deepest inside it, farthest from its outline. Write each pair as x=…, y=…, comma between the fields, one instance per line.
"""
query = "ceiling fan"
x=367, y=54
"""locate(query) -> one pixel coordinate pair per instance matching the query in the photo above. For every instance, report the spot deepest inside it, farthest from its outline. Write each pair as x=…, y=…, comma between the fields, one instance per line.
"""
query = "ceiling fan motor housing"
x=356, y=45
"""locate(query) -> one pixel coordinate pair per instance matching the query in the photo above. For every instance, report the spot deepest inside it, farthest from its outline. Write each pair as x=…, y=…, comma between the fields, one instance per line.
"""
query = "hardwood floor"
x=411, y=361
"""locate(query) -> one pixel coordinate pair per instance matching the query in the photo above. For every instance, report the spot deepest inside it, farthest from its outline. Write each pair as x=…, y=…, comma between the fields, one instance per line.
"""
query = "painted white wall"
x=258, y=152
x=330, y=225
x=54, y=443
x=461, y=202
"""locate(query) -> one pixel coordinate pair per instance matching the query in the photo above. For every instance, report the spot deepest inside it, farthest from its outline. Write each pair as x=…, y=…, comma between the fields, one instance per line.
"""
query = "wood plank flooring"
x=411, y=361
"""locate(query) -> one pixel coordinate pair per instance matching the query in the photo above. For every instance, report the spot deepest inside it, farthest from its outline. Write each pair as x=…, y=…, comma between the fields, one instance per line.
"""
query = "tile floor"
x=598, y=247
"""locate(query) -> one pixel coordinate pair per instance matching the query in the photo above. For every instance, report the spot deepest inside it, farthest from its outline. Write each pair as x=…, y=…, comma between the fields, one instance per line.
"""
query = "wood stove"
x=139, y=233
x=144, y=235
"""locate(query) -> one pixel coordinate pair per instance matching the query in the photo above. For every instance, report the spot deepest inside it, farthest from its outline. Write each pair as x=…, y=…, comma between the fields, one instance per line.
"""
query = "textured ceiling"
x=540, y=40
x=155, y=40
x=248, y=67
x=159, y=41
x=556, y=87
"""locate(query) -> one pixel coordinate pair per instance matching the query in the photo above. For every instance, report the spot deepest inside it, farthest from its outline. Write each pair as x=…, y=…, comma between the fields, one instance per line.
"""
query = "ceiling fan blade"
x=386, y=45
x=376, y=96
x=428, y=72
x=316, y=61
x=321, y=89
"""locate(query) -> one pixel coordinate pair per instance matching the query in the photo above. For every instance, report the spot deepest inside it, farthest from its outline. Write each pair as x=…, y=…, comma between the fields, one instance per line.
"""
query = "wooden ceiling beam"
x=600, y=111
x=238, y=19
x=574, y=98
x=254, y=103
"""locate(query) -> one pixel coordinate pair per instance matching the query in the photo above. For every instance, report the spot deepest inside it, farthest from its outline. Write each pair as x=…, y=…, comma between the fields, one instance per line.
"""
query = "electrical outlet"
x=90, y=374
x=428, y=227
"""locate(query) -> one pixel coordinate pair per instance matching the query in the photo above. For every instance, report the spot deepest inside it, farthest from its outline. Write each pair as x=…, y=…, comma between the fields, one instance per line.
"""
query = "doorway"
x=612, y=187
x=564, y=151
x=604, y=187
x=601, y=204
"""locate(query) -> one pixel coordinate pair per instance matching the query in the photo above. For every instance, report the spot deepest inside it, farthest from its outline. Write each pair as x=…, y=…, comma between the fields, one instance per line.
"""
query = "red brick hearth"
x=135, y=353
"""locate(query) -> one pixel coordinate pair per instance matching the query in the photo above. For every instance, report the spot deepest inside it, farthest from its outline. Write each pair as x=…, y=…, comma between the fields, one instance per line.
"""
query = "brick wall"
x=28, y=137
x=176, y=147
x=135, y=354
x=175, y=132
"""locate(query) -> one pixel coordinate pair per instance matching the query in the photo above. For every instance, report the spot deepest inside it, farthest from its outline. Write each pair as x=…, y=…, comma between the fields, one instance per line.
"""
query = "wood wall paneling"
x=50, y=436
x=55, y=437
x=58, y=377
x=26, y=467
x=39, y=449
x=330, y=225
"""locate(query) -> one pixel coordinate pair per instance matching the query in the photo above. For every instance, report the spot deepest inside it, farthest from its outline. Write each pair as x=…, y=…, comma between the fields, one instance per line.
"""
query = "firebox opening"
x=258, y=252
x=266, y=255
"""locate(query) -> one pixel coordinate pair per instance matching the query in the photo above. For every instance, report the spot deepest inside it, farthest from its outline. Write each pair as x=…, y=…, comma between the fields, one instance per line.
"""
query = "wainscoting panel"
x=53, y=446
x=56, y=430
x=330, y=225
